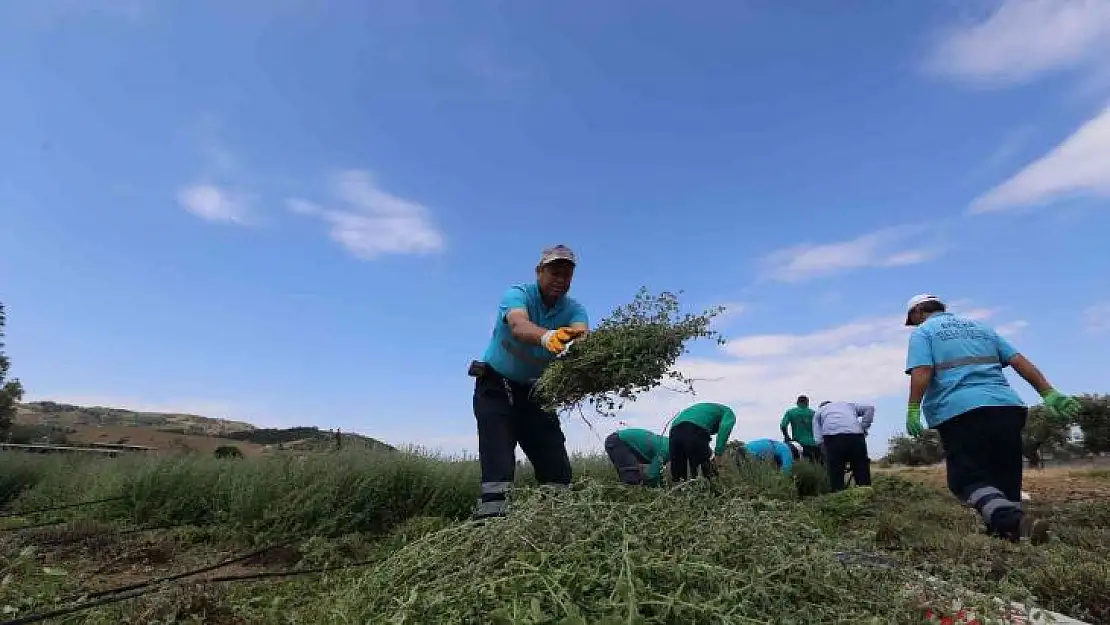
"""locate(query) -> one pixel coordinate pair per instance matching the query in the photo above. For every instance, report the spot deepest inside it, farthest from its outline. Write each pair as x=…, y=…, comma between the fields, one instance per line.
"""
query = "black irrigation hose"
x=291, y=573
x=117, y=595
x=177, y=576
x=42, y=616
x=61, y=507
x=33, y=526
x=130, y=530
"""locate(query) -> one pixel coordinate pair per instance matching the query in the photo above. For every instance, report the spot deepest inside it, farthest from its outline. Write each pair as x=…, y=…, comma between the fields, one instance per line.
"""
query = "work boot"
x=1034, y=530
x=489, y=510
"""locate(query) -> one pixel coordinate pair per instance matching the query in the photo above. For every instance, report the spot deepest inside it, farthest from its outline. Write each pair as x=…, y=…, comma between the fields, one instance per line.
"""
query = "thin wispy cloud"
x=215, y=194
x=1021, y=40
x=1079, y=166
x=1096, y=318
x=731, y=312
x=370, y=222
x=891, y=247
x=1012, y=328
x=1004, y=155
x=214, y=203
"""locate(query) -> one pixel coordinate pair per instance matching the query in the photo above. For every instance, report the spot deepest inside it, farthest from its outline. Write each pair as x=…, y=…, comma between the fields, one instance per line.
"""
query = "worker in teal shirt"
x=630, y=448
x=535, y=322
x=690, y=433
x=956, y=374
x=783, y=454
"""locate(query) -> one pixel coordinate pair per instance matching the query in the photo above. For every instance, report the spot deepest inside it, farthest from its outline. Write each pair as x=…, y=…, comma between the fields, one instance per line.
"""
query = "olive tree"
x=11, y=391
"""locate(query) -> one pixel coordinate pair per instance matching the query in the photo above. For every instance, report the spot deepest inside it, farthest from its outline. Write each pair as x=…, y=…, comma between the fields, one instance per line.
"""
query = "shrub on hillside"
x=915, y=452
x=228, y=451
x=32, y=434
x=1094, y=422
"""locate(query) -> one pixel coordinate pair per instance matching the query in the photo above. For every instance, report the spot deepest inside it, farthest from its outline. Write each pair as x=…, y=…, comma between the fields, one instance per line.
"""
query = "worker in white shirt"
x=840, y=428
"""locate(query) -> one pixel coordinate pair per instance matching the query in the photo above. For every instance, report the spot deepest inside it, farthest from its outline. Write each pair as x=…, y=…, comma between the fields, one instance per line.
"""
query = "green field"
x=749, y=550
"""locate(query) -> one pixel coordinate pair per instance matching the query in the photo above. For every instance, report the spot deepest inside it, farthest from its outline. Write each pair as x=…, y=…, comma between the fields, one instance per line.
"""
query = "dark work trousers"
x=842, y=450
x=983, y=460
x=690, y=451
x=507, y=415
x=626, y=460
x=812, y=453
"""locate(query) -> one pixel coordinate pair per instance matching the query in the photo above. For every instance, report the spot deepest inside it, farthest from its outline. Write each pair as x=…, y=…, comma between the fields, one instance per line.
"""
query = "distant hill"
x=67, y=415
x=79, y=422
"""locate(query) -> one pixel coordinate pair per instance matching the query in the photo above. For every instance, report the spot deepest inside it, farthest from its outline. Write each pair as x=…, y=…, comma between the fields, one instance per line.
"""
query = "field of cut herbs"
x=383, y=538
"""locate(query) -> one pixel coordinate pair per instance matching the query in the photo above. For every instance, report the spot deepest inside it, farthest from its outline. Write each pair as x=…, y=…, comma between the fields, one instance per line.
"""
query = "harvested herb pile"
x=605, y=554
x=631, y=351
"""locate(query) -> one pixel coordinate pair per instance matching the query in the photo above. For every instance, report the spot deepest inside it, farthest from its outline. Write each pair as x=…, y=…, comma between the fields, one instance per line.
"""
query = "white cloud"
x=1023, y=39
x=1096, y=318
x=214, y=203
x=891, y=247
x=1078, y=166
x=372, y=222
x=1012, y=328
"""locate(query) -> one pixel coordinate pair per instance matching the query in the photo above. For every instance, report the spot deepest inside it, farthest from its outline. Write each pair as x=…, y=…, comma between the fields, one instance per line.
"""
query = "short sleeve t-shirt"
x=967, y=358
x=519, y=361
x=801, y=421
x=768, y=449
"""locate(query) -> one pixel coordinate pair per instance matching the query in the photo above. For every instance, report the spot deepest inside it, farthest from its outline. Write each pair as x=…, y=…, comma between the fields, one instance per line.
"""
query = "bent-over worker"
x=535, y=323
x=955, y=366
x=841, y=427
x=690, y=433
x=783, y=454
x=629, y=448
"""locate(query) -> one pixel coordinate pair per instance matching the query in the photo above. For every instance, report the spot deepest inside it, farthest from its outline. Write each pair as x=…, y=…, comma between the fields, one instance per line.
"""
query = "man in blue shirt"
x=535, y=322
x=955, y=366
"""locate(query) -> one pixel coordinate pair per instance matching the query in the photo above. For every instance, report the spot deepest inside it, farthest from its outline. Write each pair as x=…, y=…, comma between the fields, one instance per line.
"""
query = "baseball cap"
x=917, y=300
x=557, y=252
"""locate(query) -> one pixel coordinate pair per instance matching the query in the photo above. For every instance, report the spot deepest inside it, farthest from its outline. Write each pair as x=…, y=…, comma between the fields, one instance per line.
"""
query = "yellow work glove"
x=555, y=341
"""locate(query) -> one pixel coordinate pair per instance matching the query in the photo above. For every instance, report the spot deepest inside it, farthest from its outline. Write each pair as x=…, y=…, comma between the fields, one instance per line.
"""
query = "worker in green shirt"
x=690, y=432
x=800, y=421
x=629, y=448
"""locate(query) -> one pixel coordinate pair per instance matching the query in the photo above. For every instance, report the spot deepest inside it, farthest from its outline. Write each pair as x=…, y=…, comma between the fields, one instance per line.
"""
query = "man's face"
x=555, y=277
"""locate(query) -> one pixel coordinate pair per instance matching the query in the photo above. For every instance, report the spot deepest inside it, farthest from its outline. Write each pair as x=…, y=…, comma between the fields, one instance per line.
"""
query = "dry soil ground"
x=1061, y=484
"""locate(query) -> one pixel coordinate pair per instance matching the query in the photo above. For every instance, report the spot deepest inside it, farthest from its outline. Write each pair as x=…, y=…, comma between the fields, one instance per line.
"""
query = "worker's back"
x=967, y=358
x=768, y=449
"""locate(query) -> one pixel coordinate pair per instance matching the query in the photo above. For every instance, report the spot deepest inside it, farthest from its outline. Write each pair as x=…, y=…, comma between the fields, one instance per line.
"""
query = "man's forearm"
x=919, y=383
x=524, y=330
x=1030, y=373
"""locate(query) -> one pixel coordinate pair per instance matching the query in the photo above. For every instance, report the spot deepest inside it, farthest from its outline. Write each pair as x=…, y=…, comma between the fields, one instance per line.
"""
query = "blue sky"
x=304, y=212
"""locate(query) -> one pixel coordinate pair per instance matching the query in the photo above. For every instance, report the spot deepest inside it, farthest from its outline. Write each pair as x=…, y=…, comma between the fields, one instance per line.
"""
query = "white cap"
x=917, y=300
